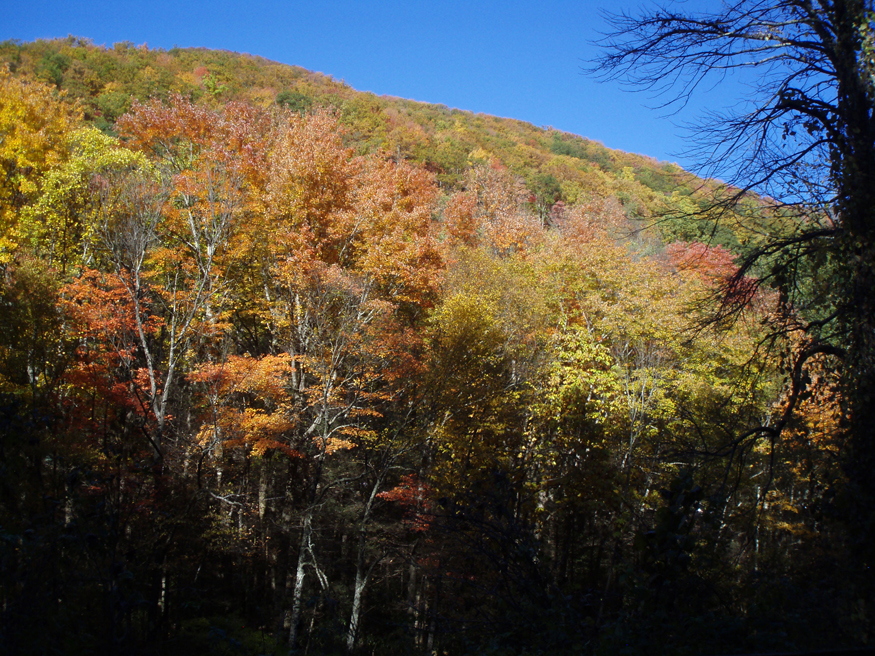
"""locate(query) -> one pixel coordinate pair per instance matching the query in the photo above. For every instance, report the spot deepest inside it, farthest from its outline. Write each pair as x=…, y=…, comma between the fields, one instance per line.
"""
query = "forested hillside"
x=555, y=166
x=289, y=367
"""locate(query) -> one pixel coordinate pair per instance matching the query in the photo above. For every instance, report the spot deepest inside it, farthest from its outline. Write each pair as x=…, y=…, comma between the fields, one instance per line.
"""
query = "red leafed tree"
x=395, y=245
x=248, y=404
x=349, y=264
x=109, y=364
x=414, y=497
x=459, y=219
x=167, y=233
x=712, y=264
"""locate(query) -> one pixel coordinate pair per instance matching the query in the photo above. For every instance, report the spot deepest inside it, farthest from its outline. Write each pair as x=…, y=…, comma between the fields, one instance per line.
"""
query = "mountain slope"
x=555, y=165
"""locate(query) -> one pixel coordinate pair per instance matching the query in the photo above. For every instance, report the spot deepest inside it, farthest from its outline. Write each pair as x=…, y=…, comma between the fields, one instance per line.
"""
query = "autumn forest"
x=290, y=368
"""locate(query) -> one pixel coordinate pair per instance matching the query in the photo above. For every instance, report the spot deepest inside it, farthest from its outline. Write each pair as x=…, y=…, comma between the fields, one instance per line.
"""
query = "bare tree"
x=805, y=139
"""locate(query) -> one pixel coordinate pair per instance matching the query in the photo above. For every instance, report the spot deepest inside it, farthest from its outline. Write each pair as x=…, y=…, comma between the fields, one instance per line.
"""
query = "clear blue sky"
x=516, y=59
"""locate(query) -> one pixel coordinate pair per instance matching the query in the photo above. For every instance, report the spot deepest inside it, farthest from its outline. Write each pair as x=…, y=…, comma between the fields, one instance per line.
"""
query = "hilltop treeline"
x=288, y=367
x=554, y=165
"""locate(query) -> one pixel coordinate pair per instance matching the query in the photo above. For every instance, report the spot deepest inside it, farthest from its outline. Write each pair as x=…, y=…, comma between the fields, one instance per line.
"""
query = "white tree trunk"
x=300, y=573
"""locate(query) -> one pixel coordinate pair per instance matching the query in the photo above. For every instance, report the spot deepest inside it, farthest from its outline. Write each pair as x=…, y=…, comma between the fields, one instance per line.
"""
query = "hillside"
x=289, y=368
x=555, y=166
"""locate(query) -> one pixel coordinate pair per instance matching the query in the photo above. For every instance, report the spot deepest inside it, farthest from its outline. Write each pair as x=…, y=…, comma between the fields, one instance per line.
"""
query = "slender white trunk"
x=360, y=583
x=361, y=575
x=262, y=489
x=300, y=572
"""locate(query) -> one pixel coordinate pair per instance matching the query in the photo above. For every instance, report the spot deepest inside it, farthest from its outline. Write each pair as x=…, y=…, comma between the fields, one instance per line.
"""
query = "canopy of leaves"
x=285, y=366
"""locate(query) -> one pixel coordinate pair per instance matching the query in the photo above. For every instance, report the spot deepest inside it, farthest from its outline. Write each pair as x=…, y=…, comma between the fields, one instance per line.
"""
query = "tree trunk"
x=300, y=571
x=361, y=576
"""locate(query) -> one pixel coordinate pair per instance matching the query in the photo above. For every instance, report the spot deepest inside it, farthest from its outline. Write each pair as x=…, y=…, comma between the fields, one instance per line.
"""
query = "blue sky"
x=516, y=59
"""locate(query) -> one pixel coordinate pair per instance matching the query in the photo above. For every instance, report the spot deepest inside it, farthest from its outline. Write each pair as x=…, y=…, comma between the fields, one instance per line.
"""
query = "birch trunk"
x=361, y=576
x=300, y=572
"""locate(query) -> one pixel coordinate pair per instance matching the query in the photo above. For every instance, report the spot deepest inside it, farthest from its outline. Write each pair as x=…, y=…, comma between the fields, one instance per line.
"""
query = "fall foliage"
x=298, y=372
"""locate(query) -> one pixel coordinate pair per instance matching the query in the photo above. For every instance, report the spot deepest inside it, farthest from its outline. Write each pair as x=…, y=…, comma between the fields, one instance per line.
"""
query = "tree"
x=165, y=230
x=60, y=223
x=34, y=127
x=805, y=138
